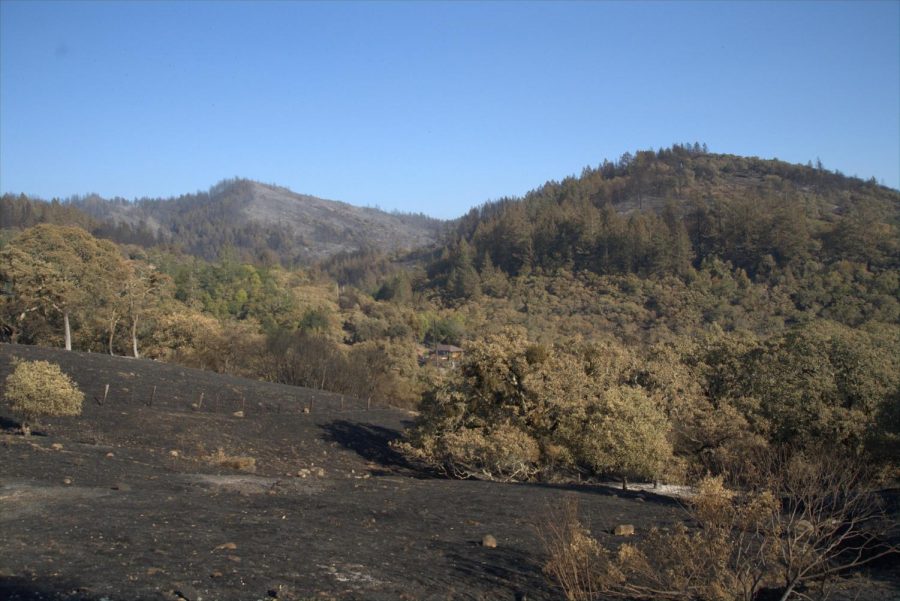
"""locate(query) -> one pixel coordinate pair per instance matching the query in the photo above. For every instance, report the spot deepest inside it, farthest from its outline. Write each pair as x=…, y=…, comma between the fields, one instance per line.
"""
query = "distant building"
x=448, y=352
x=443, y=356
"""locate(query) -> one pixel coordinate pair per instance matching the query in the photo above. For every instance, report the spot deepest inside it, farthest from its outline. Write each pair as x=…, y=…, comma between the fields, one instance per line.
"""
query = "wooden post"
x=103, y=400
x=200, y=404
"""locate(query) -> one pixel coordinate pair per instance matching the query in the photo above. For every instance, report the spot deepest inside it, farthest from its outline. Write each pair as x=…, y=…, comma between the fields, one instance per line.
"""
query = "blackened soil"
x=130, y=501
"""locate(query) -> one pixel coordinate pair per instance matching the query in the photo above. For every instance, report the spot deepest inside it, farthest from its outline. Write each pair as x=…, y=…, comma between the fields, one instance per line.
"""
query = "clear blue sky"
x=432, y=107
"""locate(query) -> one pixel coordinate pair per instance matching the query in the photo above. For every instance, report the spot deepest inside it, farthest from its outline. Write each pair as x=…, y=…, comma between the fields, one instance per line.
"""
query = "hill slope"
x=329, y=512
x=660, y=212
x=260, y=222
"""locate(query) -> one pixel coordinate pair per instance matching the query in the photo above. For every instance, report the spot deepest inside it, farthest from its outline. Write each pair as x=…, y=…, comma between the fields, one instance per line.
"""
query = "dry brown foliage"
x=235, y=462
x=795, y=522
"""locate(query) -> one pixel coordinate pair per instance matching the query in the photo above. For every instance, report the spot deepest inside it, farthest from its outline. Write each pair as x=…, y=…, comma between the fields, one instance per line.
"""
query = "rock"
x=121, y=487
x=489, y=541
x=234, y=558
x=110, y=455
x=173, y=453
x=320, y=472
x=306, y=410
x=56, y=446
x=624, y=530
x=238, y=414
x=67, y=481
x=303, y=473
x=215, y=574
x=226, y=547
x=154, y=571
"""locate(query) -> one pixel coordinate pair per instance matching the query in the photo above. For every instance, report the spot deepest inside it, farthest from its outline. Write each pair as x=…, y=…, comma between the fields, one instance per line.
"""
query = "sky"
x=431, y=107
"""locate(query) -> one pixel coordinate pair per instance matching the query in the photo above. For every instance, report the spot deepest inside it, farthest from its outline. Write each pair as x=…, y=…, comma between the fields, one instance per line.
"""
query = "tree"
x=517, y=409
x=144, y=288
x=59, y=268
x=37, y=388
x=824, y=382
x=623, y=433
x=463, y=281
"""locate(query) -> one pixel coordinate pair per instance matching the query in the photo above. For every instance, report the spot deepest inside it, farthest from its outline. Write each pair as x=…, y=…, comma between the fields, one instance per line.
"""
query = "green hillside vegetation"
x=656, y=316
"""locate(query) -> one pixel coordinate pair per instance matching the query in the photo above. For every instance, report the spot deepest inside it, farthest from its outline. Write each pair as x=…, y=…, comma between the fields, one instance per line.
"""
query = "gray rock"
x=624, y=530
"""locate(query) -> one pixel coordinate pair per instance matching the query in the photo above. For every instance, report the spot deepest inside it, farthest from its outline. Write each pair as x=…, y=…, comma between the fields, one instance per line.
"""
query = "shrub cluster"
x=519, y=410
x=40, y=388
x=786, y=524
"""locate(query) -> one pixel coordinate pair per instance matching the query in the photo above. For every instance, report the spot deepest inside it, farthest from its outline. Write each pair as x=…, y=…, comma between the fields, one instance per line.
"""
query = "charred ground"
x=136, y=499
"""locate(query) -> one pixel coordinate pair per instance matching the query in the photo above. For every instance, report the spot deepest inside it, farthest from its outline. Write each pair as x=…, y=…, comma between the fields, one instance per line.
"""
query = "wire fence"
x=120, y=381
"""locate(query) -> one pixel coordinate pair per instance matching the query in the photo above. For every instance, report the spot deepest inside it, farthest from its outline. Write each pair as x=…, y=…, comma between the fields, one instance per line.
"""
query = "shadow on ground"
x=646, y=496
x=501, y=568
x=47, y=589
x=369, y=441
x=11, y=426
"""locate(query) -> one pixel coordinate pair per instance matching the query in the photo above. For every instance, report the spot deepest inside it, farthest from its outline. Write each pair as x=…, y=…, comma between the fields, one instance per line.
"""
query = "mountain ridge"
x=249, y=215
x=268, y=223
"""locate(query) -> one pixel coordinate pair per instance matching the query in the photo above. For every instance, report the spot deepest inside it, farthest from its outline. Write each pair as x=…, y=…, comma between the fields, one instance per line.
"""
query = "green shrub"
x=516, y=411
x=40, y=388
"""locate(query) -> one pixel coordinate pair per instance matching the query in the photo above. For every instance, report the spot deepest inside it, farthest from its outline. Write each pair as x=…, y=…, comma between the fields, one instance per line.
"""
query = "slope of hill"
x=327, y=511
x=258, y=221
x=661, y=212
x=150, y=494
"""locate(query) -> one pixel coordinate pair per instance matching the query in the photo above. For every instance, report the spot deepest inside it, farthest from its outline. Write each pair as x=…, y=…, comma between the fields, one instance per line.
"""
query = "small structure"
x=448, y=352
x=443, y=356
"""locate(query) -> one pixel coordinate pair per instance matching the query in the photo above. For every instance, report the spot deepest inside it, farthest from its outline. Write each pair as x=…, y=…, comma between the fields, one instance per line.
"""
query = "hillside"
x=261, y=223
x=672, y=314
x=617, y=217
x=660, y=212
x=161, y=492
x=132, y=503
